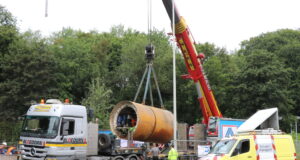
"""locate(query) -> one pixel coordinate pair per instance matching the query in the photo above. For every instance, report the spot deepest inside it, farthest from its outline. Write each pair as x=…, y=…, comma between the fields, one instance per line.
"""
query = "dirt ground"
x=3, y=157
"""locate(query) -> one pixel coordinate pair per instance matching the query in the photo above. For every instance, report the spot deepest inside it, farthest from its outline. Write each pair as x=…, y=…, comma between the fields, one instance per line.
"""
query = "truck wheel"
x=104, y=141
x=132, y=157
x=118, y=158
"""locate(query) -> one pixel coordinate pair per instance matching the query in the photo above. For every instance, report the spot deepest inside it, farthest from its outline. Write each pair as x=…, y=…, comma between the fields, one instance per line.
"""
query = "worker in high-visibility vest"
x=130, y=136
x=173, y=154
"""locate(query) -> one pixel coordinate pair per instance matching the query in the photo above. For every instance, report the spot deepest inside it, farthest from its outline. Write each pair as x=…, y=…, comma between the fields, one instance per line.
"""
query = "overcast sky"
x=223, y=22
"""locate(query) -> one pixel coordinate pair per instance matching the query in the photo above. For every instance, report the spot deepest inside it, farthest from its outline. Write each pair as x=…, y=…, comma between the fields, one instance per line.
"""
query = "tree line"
x=100, y=69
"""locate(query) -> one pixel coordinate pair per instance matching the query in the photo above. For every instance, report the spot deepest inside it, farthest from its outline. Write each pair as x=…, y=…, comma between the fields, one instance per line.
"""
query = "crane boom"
x=185, y=41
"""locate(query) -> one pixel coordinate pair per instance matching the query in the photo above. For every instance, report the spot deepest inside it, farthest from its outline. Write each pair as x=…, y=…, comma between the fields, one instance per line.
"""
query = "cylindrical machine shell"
x=152, y=124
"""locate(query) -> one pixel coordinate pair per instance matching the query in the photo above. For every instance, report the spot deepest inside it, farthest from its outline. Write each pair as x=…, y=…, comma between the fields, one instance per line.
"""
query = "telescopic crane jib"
x=192, y=60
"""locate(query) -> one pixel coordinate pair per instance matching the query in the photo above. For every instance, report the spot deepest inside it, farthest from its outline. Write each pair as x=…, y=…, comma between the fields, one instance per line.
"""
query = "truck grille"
x=33, y=152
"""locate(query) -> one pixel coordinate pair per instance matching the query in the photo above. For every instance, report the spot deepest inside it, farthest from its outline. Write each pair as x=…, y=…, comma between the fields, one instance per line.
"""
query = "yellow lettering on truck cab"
x=42, y=108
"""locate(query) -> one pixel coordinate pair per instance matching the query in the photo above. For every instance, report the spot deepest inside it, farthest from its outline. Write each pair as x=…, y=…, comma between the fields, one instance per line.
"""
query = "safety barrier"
x=189, y=149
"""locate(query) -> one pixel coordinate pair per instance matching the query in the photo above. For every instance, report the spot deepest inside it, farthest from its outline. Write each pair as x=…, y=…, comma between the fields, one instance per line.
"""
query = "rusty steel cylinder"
x=150, y=124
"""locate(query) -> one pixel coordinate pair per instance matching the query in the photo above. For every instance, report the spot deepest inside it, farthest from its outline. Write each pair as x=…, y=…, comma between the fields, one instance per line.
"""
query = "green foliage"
x=294, y=135
x=27, y=74
x=8, y=30
x=101, y=69
x=210, y=50
x=10, y=132
x=263, y=82
x=76, y=65
x=284, y=45
x=187, y=103
x=290, y=55
x=219, y=68
x=99, y=99
x=272, y=41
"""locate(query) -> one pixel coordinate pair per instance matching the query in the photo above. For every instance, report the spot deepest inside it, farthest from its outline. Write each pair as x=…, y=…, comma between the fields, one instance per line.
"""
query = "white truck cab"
x=54, y=130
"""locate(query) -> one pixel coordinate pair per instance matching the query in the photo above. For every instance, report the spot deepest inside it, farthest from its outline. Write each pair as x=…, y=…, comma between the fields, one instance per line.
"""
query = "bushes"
x=10, y=132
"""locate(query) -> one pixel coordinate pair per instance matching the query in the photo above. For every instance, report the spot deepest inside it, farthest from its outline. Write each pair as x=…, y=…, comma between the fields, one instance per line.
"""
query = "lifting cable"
x=46, y=8
x=149, y=20
x=149, y=55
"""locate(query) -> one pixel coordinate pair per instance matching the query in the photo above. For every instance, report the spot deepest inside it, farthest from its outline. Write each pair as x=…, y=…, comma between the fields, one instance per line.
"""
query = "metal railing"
x=188, y=149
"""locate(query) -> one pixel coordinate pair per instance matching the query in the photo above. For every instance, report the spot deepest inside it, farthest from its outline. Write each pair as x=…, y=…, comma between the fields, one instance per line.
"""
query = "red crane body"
x=185, y=42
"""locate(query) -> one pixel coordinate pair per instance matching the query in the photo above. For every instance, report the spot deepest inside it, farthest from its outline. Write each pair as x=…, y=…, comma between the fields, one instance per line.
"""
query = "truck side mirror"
x=90, y=113
x=235, y=152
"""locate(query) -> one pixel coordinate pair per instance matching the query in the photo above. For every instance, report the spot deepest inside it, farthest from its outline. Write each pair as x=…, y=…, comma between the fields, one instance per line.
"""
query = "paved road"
x=2, y=157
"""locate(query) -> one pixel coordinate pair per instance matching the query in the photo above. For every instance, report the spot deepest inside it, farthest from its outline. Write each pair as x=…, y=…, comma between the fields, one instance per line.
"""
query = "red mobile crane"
x=192, y=60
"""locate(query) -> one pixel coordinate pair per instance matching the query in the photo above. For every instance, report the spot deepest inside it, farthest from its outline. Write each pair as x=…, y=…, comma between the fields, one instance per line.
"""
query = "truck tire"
x=118, y=158
x=104, y=141
x=132, y=157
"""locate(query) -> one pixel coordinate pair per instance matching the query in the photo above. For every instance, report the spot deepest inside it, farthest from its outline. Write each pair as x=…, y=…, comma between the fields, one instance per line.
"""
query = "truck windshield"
x=223, y=147
x=40, y=126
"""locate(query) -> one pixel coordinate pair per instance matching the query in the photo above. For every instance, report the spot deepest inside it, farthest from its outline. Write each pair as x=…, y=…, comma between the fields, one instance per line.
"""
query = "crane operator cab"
x=212, y=129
